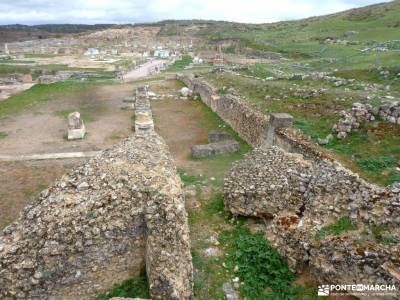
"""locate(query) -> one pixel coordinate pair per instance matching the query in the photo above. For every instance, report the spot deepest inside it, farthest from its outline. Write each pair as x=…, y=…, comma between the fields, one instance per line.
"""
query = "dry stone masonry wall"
x=300, y=197
x=300, y=190
x=250, y=124
x=104, y=222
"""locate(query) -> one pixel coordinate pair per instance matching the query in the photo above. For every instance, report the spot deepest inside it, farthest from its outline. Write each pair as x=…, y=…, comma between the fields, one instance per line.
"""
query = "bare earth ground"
x=43, y=128
x=77, y=61
x=177, y=121
x=20, y=181
x=11, y=89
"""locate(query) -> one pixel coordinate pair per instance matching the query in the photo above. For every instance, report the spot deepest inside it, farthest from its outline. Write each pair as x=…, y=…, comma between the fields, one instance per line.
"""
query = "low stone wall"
x=301, y=196
x=255, y=128
x=103, y=222
x=250, y=124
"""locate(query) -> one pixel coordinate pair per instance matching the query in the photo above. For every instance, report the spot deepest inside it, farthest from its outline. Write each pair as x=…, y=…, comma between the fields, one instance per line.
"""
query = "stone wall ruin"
x=105, y=221
x=299, y=197
x=299, y=189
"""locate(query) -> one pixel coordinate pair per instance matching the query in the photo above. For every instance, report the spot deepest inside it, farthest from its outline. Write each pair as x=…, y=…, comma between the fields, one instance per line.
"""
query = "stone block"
x=217, y=136
x=279, y=120
x=225, y=147
x=76, y=134
x=76, y=128
x=207, y=150
x=202, y=151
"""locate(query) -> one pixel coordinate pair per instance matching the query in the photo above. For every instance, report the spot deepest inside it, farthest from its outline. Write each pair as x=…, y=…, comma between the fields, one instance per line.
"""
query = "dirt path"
x=143, y=71
x=49, y=156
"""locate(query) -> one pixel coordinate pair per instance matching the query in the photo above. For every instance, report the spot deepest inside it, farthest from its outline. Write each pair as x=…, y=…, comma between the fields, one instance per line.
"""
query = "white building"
x=92, y=52
x=161, y=53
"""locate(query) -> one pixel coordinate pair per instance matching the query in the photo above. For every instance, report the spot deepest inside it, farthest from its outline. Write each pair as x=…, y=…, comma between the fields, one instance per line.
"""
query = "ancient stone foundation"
x=220, y=142
x=250, y=124
x=299, y=197
x=104, y=222
x=299, y=189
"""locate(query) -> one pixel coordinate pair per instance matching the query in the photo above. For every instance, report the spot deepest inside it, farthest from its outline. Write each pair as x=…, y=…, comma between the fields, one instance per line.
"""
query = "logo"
x=323, y=290
x=356, y=289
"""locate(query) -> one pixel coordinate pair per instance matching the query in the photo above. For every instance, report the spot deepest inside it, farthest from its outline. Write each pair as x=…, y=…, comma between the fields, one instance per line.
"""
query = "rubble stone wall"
x=301, y=196
x=250, y=124
x=300, y=189
x=105, y=221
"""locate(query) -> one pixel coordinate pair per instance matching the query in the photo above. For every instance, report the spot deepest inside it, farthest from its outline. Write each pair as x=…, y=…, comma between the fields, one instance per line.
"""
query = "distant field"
x=42, y=93
x=180, y=64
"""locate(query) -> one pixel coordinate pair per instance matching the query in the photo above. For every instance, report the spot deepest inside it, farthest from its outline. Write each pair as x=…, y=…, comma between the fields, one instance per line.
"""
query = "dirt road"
x=144, y=70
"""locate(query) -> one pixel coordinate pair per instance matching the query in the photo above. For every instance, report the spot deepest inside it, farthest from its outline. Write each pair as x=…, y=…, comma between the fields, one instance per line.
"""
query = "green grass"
x=394, y=176
x=377, y=164
x=315, y=116
x=38, y=55
x=133, y=288
x=3, y=135
x=12, y=69
x=341, y=225
x=188, y=179
x=41, y=93
x=180, y=64
x=89, y=111
x=263, y=273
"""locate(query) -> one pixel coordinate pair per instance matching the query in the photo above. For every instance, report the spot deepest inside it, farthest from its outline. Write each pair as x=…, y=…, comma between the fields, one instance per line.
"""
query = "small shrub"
x=377, y=163
x=341, y=225
x=388, y=240
x=394, y=177
x=379, y=233
x=132, y=288
x=263, y=272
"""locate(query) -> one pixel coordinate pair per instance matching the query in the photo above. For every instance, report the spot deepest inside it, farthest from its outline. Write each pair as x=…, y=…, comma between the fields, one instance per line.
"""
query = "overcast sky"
x=131, y=11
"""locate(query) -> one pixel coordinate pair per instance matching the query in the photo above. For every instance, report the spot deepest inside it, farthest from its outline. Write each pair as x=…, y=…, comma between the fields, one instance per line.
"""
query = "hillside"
x=18, y=32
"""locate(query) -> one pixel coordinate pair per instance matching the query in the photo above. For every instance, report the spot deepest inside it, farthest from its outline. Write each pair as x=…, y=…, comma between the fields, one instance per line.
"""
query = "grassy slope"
x=301, y=43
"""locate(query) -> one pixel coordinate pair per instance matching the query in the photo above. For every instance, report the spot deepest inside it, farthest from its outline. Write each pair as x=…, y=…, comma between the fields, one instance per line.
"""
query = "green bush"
x=341, y=225
x=394, y=177
x=263, y=273
x=132, y=288
x=377, y=163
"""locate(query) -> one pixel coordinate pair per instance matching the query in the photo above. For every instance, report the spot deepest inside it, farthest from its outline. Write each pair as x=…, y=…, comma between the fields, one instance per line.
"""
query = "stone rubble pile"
x=102, y=223
x=60, y=76
x=361, y=113
x=390, y=111
x=186, y=92
x=349, y=121
x=300, y=197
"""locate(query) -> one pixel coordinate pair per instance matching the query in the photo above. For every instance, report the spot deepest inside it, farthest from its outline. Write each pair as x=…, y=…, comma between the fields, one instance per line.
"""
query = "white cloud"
x=131, y=11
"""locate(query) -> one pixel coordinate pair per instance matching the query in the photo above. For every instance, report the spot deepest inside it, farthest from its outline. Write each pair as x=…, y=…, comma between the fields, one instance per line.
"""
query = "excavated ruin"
x=299, y=197
x=105, y=221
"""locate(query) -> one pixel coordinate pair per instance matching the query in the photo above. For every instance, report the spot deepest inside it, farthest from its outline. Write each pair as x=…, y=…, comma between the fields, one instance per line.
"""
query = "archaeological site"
x=252, y=158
